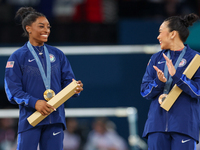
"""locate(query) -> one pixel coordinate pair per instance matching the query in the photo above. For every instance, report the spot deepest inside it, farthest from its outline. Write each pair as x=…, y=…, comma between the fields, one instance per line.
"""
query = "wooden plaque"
x=176, y=91
x=56, y=101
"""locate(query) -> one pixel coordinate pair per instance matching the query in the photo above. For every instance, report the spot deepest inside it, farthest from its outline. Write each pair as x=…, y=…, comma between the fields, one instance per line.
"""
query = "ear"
x=173, y=34
x=28, y=29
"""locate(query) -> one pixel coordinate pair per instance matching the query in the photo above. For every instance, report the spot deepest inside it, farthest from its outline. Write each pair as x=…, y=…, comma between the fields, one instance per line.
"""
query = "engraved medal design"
x=48, y=94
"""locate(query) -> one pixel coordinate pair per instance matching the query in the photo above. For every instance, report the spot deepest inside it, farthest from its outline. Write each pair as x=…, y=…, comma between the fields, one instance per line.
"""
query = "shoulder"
x=20, y=52
x=157, y=56
x=56, y=52
x=54, y=49
x=190, y=52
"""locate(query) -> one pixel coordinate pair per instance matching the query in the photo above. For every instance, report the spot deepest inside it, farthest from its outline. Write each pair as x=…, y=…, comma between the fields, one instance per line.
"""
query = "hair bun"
x=189, y=19
x=24, y=11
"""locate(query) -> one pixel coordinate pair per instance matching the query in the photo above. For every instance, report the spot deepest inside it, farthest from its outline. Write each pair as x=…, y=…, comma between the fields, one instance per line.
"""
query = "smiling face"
x=39, y=31
x=164, y=36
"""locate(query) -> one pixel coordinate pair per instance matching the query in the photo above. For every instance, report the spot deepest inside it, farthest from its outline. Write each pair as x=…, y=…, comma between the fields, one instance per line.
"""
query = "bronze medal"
x=162, y=98
x=48, y=94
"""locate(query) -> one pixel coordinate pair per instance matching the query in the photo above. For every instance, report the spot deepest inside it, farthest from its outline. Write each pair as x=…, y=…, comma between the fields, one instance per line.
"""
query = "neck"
x=177, y=47
x=35, y=43
x=176, y=44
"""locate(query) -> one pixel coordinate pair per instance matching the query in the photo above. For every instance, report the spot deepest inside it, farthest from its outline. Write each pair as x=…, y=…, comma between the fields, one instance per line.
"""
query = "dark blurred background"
x=95, y=21
x=110, y=80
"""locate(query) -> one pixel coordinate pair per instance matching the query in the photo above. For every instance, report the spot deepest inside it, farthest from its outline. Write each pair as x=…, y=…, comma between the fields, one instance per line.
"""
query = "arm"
x=68, y=75
x=14, y=86
x=189, y=86
x=151, y=85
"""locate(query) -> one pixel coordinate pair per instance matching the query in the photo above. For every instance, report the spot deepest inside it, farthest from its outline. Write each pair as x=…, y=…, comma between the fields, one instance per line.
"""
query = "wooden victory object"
x=176, y=91
x=56, y=101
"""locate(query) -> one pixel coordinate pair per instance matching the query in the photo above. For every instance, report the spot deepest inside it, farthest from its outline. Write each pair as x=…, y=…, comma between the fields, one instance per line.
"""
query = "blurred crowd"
x=101, y=134
x=80, y=21
x=100, y=11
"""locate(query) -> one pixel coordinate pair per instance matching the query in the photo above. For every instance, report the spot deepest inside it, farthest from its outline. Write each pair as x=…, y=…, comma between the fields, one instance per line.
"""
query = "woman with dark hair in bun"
x=178, y=128
x=30, y=71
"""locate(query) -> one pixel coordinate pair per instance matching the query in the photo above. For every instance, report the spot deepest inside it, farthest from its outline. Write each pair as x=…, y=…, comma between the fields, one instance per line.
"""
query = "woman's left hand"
x=170, y=65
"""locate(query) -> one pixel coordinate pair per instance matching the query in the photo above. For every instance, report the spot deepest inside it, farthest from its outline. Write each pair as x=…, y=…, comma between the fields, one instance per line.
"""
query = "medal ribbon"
x=169, y=81
x=46, y=78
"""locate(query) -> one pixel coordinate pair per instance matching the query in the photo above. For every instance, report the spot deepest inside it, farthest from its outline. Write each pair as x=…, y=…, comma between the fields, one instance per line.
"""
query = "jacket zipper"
x=44, y=67
x=166, y=127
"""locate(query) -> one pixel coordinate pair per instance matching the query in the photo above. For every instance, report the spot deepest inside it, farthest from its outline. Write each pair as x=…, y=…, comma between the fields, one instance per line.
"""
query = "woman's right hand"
x=43, y=107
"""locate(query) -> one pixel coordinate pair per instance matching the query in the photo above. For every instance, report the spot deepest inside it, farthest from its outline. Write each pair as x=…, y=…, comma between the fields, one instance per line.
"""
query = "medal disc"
x=48, y=94
x=162, y=98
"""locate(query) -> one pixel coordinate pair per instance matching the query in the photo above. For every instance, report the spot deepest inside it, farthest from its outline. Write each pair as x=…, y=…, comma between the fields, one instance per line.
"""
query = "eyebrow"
x=43, y=24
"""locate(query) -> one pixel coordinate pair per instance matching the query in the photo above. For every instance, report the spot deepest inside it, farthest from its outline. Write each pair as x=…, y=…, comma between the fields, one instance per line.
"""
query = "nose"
x=47, y=29
x=158, y=36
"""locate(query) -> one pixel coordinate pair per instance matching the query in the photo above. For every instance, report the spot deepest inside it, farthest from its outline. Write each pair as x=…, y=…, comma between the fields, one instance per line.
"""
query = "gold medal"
x=162, y=98
x=48, y=94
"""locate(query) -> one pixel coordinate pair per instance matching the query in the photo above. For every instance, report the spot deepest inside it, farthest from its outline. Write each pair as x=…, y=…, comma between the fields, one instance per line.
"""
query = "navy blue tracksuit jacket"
x=183, y=117
x=24, y=84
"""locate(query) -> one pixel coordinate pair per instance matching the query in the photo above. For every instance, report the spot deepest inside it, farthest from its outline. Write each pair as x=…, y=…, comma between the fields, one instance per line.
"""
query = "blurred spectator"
x=110, y=11
x=72, y=141
x=89, y=11
x=7, y=133
x=64, y=10
x=98, y=11
x=104, y=137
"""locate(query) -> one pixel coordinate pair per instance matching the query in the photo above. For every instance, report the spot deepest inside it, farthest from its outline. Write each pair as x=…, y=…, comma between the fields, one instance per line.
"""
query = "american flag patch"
x=10, y=64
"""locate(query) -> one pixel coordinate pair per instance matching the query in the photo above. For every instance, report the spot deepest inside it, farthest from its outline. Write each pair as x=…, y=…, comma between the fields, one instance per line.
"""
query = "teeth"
x=44, y=35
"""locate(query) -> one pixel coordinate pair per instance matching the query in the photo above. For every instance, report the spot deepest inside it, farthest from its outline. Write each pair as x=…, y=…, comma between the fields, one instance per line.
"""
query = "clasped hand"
x=171, y=69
